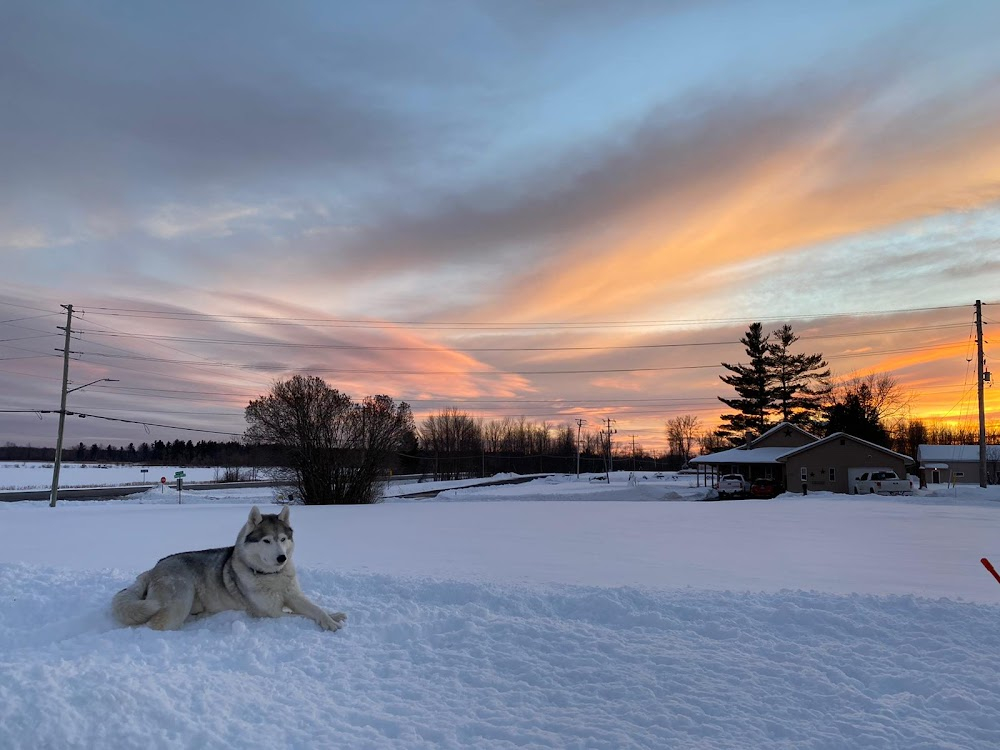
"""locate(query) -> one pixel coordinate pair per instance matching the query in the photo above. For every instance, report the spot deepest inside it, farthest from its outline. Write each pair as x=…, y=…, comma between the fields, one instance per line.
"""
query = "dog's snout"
x=281, y=558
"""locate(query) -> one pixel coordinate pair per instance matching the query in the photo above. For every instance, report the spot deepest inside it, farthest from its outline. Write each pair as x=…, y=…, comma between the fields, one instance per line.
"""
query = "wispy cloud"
x=489, y=164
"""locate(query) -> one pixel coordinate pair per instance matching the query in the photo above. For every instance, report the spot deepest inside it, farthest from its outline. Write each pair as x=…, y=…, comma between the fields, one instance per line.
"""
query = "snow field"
x=497, y=618
x=427, y=663
x=30, y=475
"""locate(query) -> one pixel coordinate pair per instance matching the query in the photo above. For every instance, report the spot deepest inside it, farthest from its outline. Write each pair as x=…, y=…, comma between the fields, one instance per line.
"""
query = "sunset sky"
x=550, y=209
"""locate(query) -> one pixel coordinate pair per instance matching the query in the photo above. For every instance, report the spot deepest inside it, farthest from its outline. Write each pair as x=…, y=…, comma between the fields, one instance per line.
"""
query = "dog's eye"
x=282, y=540
x=266, y=541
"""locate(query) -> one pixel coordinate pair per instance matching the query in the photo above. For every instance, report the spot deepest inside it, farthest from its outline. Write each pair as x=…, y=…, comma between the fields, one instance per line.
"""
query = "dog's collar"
x=264, y=572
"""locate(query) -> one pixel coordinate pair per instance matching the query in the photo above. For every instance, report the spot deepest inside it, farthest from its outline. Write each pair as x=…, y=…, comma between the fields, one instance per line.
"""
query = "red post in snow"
x=989, y=567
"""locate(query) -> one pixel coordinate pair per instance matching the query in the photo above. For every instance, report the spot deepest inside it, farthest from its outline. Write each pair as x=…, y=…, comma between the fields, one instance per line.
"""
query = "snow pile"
x=819, y=622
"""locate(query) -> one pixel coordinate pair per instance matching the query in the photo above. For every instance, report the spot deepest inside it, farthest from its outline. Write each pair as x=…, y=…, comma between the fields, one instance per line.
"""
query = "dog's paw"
x=333, y=621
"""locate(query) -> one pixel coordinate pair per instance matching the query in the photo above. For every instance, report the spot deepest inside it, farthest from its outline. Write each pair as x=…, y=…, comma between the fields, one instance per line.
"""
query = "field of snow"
x=34, y=475
x=557, y=614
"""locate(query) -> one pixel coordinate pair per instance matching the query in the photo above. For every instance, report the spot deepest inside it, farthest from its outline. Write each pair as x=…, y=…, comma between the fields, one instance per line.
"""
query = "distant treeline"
x=442, y=463
x=202, y=453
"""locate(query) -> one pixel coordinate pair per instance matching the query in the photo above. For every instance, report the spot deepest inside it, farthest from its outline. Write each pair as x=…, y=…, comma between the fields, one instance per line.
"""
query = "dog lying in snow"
x=255, y=575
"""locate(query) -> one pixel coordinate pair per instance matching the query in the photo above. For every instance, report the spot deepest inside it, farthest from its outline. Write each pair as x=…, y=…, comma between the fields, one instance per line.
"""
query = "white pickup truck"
x=881, y=482
x=733, y=485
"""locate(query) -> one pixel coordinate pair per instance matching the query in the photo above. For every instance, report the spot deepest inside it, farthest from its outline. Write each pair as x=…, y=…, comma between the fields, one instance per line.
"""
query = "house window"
x=833, y=475
x=804, y=474
x=768, y=472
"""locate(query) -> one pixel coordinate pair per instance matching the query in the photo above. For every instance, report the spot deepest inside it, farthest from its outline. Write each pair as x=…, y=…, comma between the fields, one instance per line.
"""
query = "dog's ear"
x=255, y=516
x=283, y=516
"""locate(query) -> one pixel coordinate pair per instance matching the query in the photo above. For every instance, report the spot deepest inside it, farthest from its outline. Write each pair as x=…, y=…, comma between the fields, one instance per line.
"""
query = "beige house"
x=801, y=461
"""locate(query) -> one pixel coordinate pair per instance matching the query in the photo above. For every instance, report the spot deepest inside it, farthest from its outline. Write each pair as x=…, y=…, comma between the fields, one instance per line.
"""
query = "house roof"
x=780, y=427
x=944, y=453
x=779, y=454
x=838, y=436
x=744, y=456
x=747, y=454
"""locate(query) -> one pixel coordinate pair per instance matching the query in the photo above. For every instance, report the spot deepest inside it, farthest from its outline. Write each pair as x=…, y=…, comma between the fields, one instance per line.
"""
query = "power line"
x=447, y=399
x=164, y=346
x=149, y=313
x=29, y=307
x=144, y=423
x=594, y=371
x=368, y=347
x=610, y=347
x=29, y=317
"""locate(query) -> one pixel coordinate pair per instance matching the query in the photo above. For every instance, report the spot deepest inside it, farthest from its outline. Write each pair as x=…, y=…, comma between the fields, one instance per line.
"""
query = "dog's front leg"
x=300, y=605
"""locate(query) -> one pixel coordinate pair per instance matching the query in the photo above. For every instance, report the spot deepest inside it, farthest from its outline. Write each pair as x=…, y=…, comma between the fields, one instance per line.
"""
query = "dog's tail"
x=131, y=607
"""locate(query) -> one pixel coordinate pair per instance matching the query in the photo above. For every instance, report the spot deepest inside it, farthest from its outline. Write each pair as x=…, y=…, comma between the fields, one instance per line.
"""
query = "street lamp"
x=53, y=495
x=102, y=380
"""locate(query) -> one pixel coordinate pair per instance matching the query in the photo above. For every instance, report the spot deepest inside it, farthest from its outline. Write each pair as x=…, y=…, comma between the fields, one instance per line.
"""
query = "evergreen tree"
x=800, y=380
x=754, y=385
x=854, y=415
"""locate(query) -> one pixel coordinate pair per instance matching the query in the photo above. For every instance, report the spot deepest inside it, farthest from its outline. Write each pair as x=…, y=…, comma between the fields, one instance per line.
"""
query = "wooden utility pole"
x=981, y=367
x=62, y=409
x=608, y=467
x=579, y=426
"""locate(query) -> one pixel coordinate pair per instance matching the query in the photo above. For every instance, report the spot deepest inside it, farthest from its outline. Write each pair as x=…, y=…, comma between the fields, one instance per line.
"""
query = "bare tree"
x=336, y=451
x=872, y=407
x=880, y=395
x=712, y=442
x=682, y=434
x=376, y=429
x=886, y=399
x=455, y=440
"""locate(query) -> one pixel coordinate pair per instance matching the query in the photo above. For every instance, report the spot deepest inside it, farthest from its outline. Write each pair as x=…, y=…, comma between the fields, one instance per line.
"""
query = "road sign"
x=179, y=474
x=163, y=480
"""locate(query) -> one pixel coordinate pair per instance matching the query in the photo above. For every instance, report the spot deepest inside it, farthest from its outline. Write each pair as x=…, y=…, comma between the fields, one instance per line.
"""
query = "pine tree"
x=754, y=388
x=801, y=381
x=855, y=415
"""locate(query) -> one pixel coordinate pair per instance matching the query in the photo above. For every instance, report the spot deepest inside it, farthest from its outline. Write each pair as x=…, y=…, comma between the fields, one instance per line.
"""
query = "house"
x=800, y=460
x=957, y=464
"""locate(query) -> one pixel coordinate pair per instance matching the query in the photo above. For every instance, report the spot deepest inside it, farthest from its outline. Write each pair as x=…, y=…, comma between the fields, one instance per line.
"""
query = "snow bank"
x=444, y=664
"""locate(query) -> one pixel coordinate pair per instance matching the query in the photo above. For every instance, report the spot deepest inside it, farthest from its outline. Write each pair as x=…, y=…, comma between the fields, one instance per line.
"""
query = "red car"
x=765, y=488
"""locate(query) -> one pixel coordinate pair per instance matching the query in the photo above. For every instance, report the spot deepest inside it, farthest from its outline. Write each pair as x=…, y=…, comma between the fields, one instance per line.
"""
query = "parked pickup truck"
x=881, y=483
x=733, y=485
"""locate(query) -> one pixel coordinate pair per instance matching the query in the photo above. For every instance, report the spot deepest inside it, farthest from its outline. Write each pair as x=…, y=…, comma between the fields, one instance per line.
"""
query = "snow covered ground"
x=36, y=475
x=558, y=614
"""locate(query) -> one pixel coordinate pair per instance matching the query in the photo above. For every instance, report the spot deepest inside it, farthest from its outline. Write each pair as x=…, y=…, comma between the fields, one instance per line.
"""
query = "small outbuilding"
x=957, y=464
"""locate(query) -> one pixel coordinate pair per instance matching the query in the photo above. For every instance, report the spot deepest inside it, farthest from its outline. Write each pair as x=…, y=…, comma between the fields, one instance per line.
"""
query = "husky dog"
x=255, y=575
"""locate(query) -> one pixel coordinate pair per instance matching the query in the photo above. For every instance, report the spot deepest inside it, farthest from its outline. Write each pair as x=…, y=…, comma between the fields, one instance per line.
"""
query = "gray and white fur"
x=255, y=575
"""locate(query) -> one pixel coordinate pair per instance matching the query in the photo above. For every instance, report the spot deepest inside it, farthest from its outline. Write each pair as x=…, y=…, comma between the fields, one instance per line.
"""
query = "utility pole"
x=608, y=466
x=633, y=453
x=980, y=366
x=62, y=408
x=579, y=426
